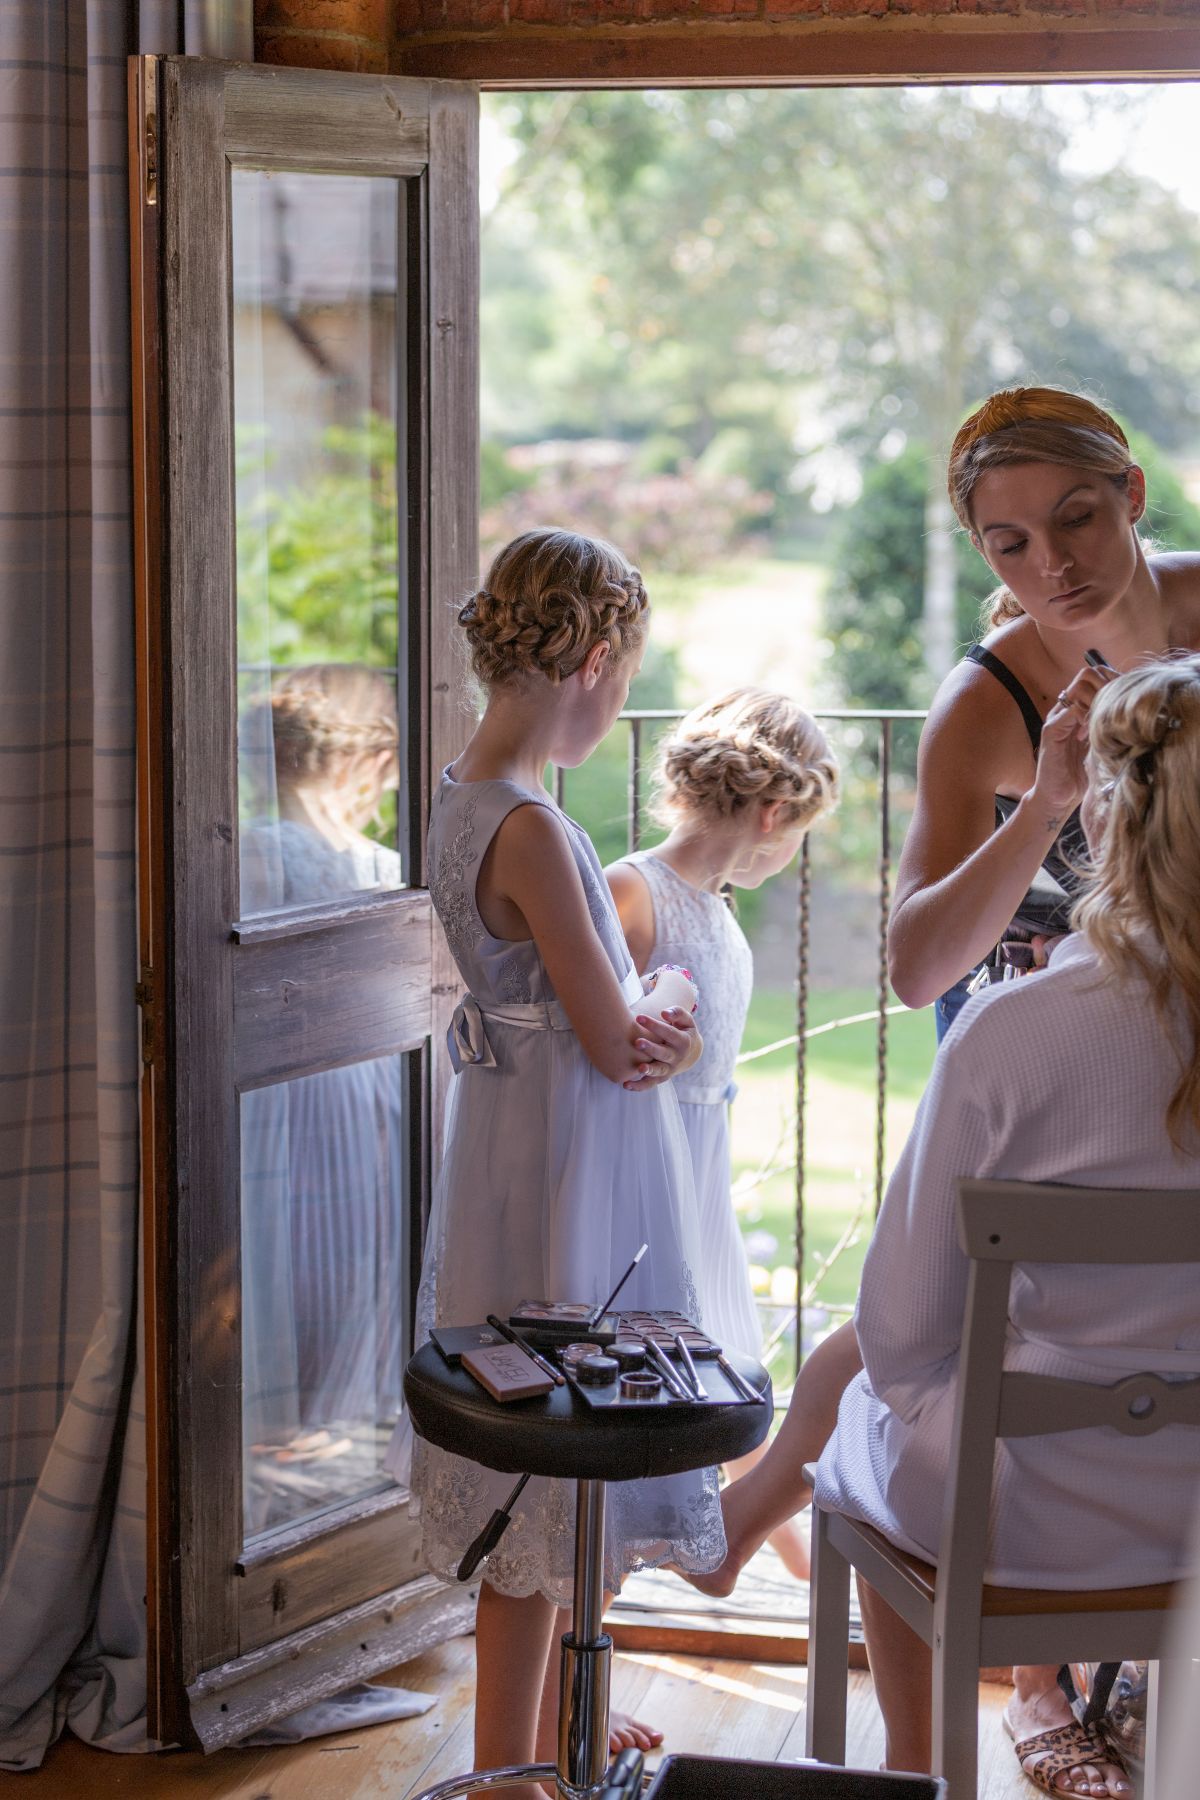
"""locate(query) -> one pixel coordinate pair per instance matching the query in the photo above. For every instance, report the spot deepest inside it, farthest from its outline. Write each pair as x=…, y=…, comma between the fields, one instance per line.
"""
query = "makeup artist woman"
x=1044, y=482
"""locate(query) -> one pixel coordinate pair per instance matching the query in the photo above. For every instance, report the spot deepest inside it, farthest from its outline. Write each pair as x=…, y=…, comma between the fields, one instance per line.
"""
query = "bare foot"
x=748, y=1507
x=1031, y=1716
x=628, y=1733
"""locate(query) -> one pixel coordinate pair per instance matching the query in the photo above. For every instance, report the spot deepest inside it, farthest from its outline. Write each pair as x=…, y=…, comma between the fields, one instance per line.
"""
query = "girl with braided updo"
x=739, y=783
x=564, y=1149
x=322, y=749
x=1044, y=483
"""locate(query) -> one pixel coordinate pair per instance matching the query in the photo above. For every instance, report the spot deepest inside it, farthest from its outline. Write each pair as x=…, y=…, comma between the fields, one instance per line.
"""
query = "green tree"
x=799, y=270
x=317, y=558
x=874, y=600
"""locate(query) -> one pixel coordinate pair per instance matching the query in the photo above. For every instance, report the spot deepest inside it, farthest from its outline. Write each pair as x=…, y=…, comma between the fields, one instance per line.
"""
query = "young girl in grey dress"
x=565, y=1149
x=740, y=781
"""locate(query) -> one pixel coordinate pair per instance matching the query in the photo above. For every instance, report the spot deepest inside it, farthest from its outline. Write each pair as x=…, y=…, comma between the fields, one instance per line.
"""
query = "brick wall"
x=326, y=34
x=511, y=40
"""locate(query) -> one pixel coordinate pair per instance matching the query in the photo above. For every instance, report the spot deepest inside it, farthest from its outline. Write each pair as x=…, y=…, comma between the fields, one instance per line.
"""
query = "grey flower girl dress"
x=552, y=1177
x=696, y=929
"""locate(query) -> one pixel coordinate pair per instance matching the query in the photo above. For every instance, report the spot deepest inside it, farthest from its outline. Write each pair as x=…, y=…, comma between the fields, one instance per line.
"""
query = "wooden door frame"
x=752, y=53
x=211, y=1680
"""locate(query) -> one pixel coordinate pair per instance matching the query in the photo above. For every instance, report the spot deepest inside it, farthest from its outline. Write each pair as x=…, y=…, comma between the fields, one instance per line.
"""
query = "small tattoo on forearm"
x=1053, y=824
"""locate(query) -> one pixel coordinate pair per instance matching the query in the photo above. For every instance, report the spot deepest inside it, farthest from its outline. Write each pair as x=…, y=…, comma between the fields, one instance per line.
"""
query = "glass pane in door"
x=318, y=390
x=325, y=1281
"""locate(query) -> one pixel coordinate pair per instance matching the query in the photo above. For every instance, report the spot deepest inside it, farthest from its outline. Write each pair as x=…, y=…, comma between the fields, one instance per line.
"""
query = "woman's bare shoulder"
x=970, y=698
x=975, y=739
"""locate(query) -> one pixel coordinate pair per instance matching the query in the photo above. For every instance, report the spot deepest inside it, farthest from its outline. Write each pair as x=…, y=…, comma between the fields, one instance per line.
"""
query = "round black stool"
x=561, y=1435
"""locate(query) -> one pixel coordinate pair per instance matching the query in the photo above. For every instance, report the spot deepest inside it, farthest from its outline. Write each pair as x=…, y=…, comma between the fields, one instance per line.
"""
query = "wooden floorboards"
x=715, y=1706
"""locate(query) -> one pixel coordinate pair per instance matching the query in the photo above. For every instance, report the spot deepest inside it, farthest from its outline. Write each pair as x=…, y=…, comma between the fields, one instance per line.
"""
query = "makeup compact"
x=597, y=1370
x=641, y=1384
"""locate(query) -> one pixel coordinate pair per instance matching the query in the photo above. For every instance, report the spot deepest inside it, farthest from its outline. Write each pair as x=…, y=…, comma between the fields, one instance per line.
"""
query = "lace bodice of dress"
x=697, y=929
x=465, y=818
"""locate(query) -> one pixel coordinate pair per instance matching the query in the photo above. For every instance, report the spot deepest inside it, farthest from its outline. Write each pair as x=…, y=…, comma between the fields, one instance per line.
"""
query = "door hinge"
x=143, y=993
x=150, y=140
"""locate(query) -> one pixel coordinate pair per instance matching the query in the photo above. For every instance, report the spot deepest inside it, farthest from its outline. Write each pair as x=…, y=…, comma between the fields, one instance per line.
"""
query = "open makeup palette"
x=655, y=1358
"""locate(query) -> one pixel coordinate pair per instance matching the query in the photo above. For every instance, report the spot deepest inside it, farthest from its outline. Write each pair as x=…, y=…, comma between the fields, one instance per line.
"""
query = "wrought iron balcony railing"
x=637, y=723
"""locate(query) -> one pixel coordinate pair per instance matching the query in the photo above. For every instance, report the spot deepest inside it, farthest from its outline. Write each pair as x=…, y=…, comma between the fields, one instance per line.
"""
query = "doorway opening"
x=734, y=331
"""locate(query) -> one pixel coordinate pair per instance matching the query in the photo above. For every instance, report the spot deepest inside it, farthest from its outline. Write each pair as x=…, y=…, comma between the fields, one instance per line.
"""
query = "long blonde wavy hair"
x=549, y=597
x=1025, y=425
x=1140, y=905
x=748, y=747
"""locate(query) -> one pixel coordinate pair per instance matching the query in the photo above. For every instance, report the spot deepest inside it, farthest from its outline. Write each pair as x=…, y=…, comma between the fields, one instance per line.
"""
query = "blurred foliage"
x=677, y=519
x=784, y=285
x=1172, y=520
x=873, y=602
x=317, y=556
x=709, y=262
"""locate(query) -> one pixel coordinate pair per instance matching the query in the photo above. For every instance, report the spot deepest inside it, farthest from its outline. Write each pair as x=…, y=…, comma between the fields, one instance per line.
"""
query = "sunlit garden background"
x=735, y=332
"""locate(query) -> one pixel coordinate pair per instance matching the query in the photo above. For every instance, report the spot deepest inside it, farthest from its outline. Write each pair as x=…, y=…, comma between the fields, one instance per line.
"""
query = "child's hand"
x=668, y=1046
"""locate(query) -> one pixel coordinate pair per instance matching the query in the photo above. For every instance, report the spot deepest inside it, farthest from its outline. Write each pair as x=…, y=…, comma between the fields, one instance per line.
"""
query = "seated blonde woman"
x=1086, y=1074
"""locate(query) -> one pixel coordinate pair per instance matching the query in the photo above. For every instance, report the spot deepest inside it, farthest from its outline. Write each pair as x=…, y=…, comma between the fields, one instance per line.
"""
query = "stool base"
x=490, y=1779
x=586, y=1652
x=501, y=1778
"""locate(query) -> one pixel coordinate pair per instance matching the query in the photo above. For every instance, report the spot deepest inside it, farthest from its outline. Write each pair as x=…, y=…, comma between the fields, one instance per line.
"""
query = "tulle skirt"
x=552, y=1178
x=723, y=1274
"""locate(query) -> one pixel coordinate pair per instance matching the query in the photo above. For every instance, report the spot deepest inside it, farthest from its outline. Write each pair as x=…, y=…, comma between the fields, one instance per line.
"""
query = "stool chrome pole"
x=586, y=1658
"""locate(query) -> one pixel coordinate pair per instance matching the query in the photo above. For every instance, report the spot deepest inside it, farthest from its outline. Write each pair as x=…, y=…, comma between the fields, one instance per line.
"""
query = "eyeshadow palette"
x=548, y=1323
x=662, y=1326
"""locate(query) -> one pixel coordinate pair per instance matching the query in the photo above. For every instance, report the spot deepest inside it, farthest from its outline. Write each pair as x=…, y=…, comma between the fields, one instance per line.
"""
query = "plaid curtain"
x=72, y=1426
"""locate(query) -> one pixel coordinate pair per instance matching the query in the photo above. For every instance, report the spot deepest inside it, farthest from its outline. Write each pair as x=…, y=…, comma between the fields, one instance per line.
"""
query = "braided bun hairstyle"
x=549, y=597
x=1144, y=829
x=319, y=719
x=750, y=747
x=1032, y=424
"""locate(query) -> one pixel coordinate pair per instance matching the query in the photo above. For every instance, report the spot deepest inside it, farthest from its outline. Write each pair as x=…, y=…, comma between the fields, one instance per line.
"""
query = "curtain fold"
x=72, y=1426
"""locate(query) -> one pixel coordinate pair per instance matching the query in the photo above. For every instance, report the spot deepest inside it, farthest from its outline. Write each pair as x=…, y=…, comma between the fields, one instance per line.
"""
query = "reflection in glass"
x=319, y=756
x=324, y=1287
x=316, y=397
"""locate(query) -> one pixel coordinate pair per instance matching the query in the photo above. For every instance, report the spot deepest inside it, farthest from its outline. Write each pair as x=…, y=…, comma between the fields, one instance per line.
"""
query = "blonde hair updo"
x=1140, y=906
x=549, y=597
x=316, y=722
x=748, y=748
x=1026, y=425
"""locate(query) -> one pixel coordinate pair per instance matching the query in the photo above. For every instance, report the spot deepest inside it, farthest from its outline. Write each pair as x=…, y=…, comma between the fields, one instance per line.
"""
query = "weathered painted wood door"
x=306, y=298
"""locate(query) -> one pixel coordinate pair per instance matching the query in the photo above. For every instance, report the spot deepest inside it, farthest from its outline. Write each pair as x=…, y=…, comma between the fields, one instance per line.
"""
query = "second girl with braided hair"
x=740, y=781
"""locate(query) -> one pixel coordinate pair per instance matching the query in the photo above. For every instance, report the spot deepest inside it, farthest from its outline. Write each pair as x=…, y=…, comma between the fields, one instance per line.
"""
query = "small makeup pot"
x=630, y=1355
x=640, y=1384
x=571, y=1355
x=597, y=1371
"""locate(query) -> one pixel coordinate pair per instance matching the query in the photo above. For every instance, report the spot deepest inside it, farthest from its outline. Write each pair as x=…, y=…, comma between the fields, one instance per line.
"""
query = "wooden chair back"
x=1002, y=1223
